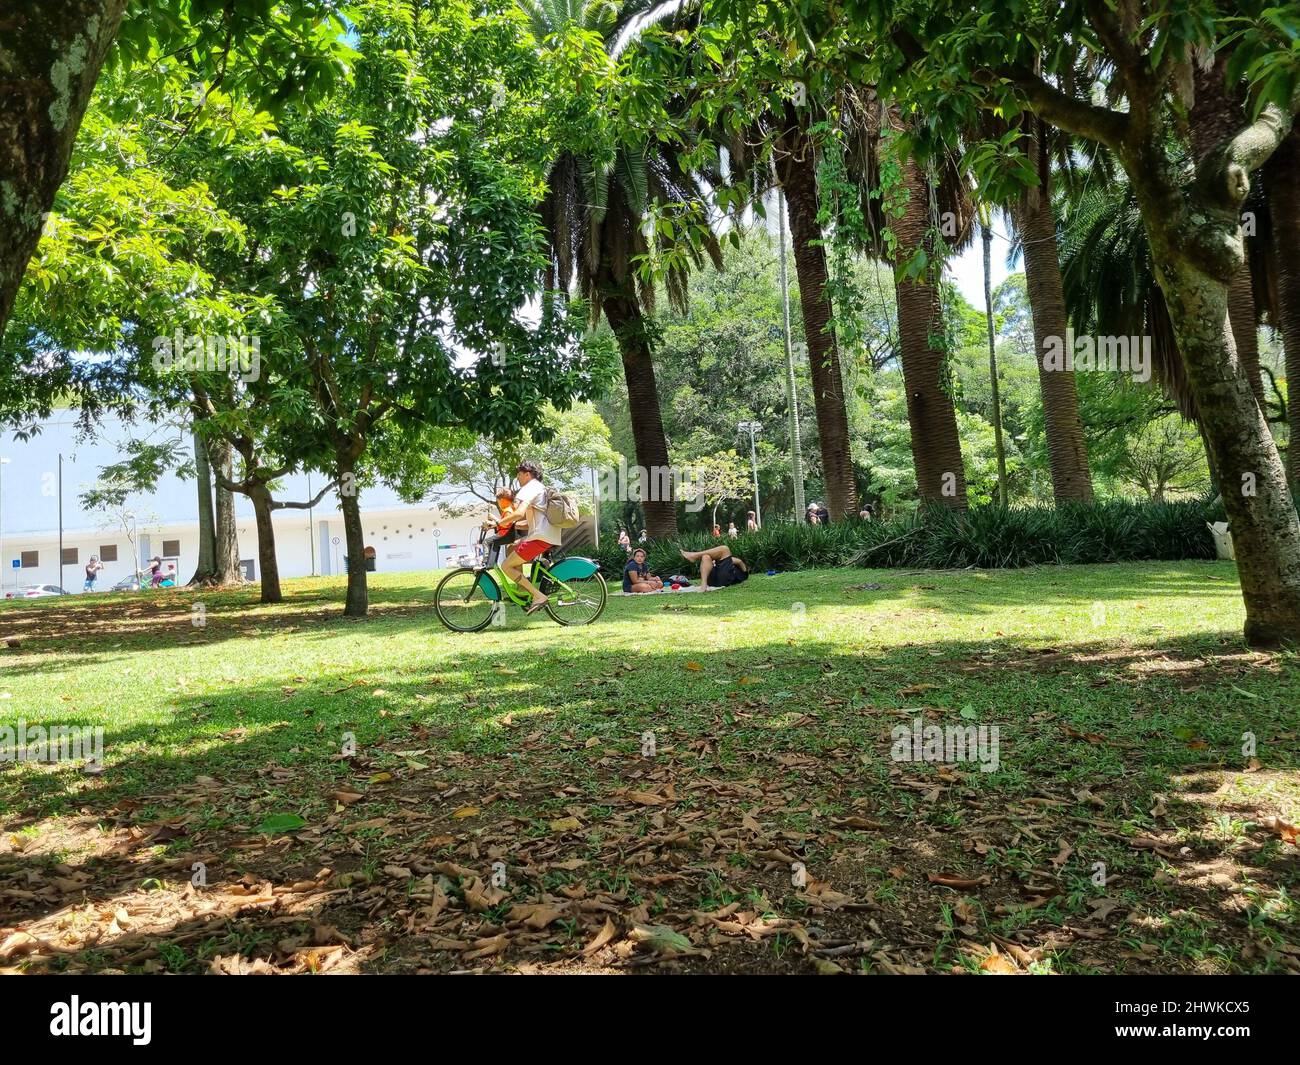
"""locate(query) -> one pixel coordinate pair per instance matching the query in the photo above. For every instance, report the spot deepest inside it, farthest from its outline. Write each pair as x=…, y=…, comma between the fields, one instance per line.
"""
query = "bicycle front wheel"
x=582, y=604
x=466, y=600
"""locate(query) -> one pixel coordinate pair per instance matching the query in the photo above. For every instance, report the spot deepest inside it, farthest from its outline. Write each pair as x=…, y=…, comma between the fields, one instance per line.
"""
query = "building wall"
x=402, y=534
x=403, y=540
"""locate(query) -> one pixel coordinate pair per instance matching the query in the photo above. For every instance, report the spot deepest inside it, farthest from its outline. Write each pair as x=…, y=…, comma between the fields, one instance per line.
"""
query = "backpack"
x=561, y=510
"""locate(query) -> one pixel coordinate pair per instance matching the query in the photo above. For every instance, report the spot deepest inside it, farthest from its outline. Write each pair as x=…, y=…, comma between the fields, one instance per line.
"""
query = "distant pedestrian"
x=751, y=522
x=624, y=541
x=867, y=513
x=812, y=516
x=731, y=529
x=717, y=531
x=92, y=571
x=643, y=537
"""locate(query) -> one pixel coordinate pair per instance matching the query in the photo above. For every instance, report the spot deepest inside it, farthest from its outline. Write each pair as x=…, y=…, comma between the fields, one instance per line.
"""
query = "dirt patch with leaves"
x=759, y=839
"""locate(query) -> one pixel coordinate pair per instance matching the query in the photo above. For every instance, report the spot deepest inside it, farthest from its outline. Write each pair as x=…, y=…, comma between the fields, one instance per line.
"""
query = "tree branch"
x=276, y=505
x=1065, y=112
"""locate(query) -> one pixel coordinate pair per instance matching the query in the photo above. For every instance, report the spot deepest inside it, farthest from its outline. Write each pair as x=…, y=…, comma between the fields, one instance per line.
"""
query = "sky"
x=967, y=269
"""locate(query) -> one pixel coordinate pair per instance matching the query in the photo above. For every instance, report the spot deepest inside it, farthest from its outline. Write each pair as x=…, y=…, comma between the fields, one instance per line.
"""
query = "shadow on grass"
x=1124, y=725
x=56, y=634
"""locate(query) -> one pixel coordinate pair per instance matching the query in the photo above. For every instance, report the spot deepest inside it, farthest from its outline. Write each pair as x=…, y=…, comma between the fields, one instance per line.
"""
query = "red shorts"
x=531, y=549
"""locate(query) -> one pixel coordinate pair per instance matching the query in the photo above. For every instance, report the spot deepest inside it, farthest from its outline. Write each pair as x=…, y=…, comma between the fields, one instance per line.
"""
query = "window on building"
x=31, y=559
x=108, y=552
x=69, y=556
x=171, y=549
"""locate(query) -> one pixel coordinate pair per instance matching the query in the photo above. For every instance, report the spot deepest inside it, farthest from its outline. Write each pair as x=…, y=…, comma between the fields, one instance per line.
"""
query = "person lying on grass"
x=719, y=568
x=637, y=577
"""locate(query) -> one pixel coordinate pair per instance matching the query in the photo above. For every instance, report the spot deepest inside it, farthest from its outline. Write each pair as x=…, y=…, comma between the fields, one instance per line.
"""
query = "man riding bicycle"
x=529, y=505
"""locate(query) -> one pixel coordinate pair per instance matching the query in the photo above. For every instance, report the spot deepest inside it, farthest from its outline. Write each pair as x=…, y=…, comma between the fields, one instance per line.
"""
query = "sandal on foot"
x=535, y=606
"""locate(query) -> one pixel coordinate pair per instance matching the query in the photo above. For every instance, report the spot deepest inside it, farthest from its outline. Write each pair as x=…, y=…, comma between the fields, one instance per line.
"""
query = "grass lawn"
x=501, y=808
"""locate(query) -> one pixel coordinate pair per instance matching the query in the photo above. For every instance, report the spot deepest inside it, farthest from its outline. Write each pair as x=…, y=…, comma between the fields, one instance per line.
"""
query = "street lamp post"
x=751, y=428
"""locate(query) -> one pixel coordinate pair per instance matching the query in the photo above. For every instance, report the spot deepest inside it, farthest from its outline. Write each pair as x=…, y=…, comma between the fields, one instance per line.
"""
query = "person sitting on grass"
x=719, y=568
x=637, y=577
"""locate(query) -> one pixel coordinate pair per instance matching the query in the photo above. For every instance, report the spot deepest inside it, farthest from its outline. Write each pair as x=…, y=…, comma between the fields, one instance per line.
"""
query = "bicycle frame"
x=512, y=591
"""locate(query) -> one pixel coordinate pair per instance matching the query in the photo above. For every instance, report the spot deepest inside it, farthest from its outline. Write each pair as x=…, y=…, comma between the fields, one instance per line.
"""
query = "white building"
x=165, y=521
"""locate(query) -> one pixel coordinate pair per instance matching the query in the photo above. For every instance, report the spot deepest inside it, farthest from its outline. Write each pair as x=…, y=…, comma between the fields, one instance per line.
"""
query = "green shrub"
x=987, y=537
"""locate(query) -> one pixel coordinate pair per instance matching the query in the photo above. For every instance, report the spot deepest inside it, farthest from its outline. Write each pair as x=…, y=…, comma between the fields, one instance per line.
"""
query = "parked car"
x=40, y=591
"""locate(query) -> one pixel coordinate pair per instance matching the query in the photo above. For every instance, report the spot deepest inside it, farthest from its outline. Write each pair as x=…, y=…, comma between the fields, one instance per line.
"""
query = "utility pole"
x=791, y=397
x=3, y=463
x=311, y=526
x=751, y=428
x=60, y=521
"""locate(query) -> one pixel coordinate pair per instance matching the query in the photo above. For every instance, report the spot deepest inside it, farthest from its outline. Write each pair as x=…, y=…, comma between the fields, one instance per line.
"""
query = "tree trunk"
x=796, y=165
x=1265, y=529
x=1282, y=180
x=1216, y=115
x=1067, y=448
x=936, y=447
x=266, y=562
x=227, y=540
x=354, y=537
x=205, y=571
x=51, y=52
x=623, y=313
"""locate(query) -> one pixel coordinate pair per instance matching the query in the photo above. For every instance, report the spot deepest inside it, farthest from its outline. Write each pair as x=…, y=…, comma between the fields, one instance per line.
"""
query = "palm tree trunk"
x=1282, y=178
x=797, y=172
x=205, y=570
x=936, y=446
x=623, y=313
x=1067, y=448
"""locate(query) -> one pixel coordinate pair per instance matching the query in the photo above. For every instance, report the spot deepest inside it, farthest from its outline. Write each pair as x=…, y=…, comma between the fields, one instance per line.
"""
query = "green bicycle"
x=469, y=599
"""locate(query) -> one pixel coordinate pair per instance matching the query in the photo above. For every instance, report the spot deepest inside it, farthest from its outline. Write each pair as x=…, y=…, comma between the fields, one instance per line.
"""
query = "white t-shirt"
x=533, y=497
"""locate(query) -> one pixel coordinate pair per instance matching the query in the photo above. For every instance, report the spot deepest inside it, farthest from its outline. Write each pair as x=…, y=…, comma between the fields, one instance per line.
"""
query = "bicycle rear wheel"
x=466, y=600
x=580, y=606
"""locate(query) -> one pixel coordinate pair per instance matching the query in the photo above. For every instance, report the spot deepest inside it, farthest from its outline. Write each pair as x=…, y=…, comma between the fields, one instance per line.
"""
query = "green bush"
x=987, y=537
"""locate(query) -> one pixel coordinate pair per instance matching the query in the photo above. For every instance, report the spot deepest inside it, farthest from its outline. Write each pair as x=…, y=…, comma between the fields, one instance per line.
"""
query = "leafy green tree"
x=568, y=445
x=52, y=53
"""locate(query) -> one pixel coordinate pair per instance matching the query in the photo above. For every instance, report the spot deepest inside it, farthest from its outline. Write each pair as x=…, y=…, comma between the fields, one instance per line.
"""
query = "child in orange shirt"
x=503, y=534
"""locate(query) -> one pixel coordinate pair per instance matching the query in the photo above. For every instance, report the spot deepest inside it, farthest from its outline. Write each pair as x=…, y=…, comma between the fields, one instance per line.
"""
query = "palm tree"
x=596, y=214
x=786, y=162
x=933, y=215
x=1035, y=223
x=1282, y=181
